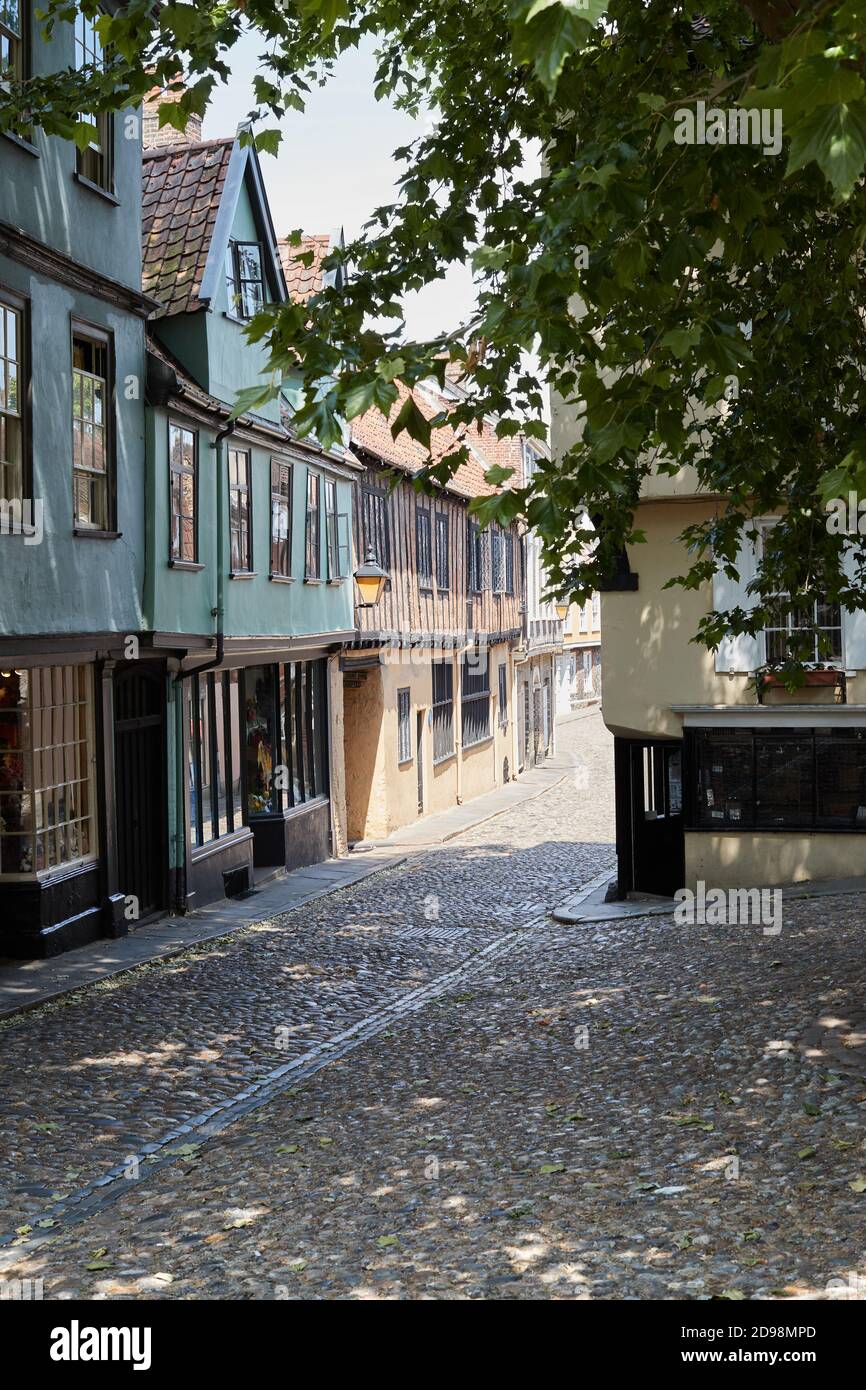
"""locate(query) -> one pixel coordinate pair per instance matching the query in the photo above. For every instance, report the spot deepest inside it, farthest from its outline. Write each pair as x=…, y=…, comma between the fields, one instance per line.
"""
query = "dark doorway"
x=650, y=832
x=419, y=759
x=139, y=758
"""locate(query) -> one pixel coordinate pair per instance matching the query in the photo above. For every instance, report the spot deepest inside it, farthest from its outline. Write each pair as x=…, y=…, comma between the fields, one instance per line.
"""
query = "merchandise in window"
x=47, y=764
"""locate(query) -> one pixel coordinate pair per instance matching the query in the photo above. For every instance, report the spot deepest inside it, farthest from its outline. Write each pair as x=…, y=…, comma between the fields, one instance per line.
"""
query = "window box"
x=773, y=679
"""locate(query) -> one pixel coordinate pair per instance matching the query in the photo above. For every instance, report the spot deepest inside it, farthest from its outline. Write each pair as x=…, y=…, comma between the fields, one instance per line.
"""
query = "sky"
x=335, y=166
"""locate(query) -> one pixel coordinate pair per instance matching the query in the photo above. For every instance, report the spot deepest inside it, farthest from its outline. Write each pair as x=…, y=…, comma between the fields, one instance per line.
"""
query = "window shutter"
x=741, y=653
x=853, y=623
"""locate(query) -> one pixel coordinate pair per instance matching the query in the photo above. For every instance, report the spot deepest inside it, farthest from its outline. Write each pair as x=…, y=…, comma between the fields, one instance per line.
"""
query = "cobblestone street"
x=514, y=1108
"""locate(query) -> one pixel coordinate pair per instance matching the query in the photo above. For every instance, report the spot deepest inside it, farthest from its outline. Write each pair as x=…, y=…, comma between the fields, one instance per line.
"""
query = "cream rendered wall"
x=650, y=662
x=744, y=860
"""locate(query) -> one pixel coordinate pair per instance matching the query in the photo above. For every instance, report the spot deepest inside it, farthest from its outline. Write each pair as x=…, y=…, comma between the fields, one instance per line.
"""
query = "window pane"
x=840, y=762
x=784, y=779
x=208, y=771
x=725, y=779
x=260, y=739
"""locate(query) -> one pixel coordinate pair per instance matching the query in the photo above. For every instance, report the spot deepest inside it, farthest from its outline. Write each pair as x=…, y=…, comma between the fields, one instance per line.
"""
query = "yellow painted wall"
x=759, y=860
x=650, y=662
x=382, y=793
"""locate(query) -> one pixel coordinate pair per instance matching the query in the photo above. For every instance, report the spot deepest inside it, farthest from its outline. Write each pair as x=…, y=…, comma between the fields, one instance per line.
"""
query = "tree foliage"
x=715, y=317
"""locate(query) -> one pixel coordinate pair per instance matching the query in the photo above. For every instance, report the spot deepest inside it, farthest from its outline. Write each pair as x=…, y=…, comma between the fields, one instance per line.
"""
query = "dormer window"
x=244, y=282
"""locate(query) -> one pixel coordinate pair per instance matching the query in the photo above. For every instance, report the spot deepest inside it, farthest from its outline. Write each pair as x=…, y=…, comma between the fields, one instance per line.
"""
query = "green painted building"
x=72, y=500
x=248, y=592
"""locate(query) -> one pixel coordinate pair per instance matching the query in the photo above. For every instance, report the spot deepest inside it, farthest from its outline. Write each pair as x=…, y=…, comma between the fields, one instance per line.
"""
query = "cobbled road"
x=440, y=1092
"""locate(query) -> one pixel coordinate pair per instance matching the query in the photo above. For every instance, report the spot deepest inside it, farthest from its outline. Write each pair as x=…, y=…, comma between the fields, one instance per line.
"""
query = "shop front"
x=257, y=793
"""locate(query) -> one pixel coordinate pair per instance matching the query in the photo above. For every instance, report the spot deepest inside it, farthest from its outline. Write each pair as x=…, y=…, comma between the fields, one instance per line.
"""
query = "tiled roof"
x=372, y=432
x=303, y=281
x=180, y=199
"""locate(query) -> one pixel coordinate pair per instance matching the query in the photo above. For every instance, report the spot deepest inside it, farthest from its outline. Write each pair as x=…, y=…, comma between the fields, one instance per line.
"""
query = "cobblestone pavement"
x=633, y=1109
x=89, y=1080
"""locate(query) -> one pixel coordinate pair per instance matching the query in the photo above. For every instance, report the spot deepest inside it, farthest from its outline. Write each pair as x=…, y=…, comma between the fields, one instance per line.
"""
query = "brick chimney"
x=156, y=137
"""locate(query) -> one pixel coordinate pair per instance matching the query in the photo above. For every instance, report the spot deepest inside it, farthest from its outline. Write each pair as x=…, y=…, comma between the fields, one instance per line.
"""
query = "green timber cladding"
x=248, y=594
x=72, y=361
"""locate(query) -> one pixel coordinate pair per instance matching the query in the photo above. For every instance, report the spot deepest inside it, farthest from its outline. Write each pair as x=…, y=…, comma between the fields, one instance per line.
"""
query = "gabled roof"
x=189, y=200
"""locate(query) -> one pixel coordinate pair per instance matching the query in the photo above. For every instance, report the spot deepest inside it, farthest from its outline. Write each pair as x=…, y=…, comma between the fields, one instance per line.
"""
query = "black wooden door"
x=419, y=757
x=139, y=765
x=658, y=837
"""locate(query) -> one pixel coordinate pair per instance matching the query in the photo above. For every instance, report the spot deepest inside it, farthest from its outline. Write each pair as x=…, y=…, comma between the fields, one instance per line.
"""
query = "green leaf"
x=411, y=419
x=268, y=141
x=834, y=137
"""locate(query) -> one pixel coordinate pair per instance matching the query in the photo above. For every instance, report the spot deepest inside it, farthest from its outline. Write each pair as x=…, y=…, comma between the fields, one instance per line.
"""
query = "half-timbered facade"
x=429, y=685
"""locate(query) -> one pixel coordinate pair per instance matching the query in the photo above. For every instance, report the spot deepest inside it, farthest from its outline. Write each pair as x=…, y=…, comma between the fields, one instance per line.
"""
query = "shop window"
x=286, y=736
x=214, y=756
x=47, y=791
x=261, y=740
x=779, y=779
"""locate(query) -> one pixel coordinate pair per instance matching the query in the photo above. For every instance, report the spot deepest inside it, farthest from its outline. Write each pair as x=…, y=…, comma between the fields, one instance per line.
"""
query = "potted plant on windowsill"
x=794, y=675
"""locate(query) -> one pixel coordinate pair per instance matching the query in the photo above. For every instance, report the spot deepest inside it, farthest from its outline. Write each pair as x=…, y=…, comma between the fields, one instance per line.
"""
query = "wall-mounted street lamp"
x=370, y=579
x=561, y=611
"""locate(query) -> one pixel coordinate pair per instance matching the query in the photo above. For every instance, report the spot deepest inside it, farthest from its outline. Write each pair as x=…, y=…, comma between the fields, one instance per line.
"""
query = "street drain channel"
x=182, y=1142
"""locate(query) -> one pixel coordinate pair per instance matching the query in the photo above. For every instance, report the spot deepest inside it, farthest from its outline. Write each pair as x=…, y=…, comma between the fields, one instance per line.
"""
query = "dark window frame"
x=182, y=471
x=20, y=305
x=236, y=281
x=424, y=547
x=19, y=40
x=281, y=547
x=508, y=546
x=97, y=337
x=503, y=694
x=475, y=696
x=474, y=558
x=817, y=741
x=95, y=165
x=497, y=560
x=443, y=548
x=241, y=490
x=404, y=726
x=376, y=524
x=313, y=521
x=234, y=813
x=338, y=548
x=442, y=705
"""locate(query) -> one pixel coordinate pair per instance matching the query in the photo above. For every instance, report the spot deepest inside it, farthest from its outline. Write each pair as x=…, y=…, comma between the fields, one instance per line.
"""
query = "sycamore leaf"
x=268, y=141
x=834, y=137
x=550, y=31
x=413, y=421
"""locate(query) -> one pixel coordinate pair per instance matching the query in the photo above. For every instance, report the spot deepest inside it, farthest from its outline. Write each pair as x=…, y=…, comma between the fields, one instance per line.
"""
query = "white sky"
x=335, y=165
